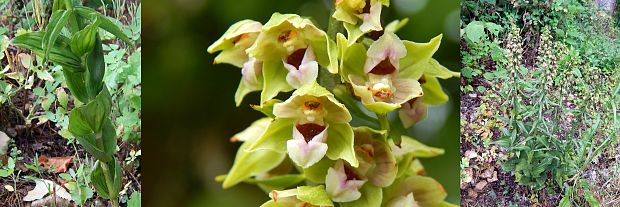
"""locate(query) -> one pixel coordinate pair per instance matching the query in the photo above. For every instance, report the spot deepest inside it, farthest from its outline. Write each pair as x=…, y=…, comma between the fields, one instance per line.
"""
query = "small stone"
x=480, y=185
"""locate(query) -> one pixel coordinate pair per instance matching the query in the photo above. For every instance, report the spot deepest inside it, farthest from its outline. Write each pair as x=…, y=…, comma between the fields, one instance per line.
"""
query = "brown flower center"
x=296, y=57
x=309, y=130
x=385, y=67
x=366, y=8
x=351, y=174
x=240, y=37
x=286, y=35
x=312, y=105
x=381, y=91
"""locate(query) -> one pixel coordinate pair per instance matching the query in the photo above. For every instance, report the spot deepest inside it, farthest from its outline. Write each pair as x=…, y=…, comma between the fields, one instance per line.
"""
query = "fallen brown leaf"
x=61, y=164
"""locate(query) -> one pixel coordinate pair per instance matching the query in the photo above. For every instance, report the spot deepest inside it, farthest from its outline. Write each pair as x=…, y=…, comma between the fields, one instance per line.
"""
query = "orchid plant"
x=72, y=40
x=307, y=151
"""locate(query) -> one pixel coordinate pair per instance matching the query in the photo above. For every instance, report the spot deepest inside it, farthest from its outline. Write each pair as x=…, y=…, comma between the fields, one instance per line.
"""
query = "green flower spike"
x=380, y=85
x=343, y=183
x=291, y=48
x=360, y=16
x=239, y=37
x=308, y=126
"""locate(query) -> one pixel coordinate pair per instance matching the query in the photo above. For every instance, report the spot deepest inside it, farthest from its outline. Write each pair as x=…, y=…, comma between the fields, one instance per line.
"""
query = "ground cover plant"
x=539, y=104
x=70, y=84
x=339, y=139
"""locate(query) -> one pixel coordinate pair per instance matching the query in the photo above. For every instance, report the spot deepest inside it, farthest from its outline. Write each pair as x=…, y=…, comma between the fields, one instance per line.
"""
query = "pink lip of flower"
x=387, y=47
x=307, y=147
x=371, y=19
x=250, y=72
x=342, y=186
x=300, y=73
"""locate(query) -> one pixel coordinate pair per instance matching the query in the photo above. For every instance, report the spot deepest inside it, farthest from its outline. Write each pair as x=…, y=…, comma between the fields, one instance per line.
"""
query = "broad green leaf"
x=340, y=143
x=98, y=178
x=84, y=40
x=371, y=197
x=59, y=53
x=591, y=199
x=474, y=31
x=248, y=164
x=95, y=66
x=76, y=84
x=57, y=22
x=106, y=24
x=314, y=195
x=275, y=137
x=135, y=199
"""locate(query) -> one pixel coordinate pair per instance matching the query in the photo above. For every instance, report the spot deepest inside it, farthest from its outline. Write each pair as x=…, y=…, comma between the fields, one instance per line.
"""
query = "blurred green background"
x=189, y=113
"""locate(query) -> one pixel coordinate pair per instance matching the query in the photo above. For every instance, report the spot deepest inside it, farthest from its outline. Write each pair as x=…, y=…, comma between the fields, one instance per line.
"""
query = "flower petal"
x=406, y=89
x=412, y=113
x=372, y=20
x=387, y=46
x=338, y=187
x=403, y=201
x=306, y=154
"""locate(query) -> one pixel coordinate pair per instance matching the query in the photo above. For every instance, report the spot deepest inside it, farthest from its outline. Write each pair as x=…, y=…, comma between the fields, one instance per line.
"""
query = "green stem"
x=384, y=123
x=109, y=182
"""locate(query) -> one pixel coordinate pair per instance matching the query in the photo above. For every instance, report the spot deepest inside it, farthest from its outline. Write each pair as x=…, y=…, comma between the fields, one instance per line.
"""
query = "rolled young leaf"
x=59, y=20
x=84, y=40
x=105, y=24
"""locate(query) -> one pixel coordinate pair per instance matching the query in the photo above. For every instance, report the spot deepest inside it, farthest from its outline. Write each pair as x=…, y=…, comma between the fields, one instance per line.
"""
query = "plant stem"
x=109, y=182
x=384, y=123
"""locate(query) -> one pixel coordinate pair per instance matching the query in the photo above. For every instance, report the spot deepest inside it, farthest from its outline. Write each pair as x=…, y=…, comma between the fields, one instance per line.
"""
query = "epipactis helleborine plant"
x=305, y=152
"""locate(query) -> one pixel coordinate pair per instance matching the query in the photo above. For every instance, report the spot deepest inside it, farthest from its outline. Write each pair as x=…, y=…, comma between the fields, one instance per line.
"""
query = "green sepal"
x=371, y=197
x=242, y=90
x=426, y=191
x=353, y=33
x=410, y=145
x=267, y=107
x=418, y=53
x=340, y=143
x=396, y=25
x=317, y=172
x=433, y=93
x=314, y=195
x=59, y=53
x=57, y=22
x=248, y=164
x=274, y=76
x=275, y=136
x=105, y=23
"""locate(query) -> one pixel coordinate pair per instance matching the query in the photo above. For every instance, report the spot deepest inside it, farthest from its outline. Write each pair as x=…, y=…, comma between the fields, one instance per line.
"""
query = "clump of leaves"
x=79, y=53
